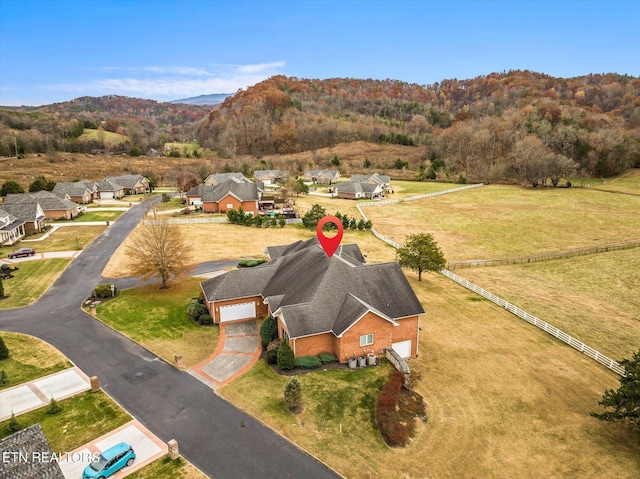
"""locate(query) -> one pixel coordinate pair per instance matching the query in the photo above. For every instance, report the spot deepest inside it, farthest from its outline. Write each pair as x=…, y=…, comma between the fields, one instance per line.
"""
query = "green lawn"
x=165, y=468
x=157, y=319
x=65, y=238
x=29, y=358
x=84, y=417
x=32, y=279
x=99, y=216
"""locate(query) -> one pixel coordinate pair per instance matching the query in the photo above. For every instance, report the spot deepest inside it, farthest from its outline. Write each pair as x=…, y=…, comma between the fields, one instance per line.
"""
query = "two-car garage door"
x=238, y=311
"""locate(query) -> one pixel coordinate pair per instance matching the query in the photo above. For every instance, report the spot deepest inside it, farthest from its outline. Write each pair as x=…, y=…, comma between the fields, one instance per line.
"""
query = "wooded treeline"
x=514, y=125
x=143, y=124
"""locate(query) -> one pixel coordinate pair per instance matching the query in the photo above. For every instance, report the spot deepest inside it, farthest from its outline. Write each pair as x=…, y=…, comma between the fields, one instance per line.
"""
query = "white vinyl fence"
x=552, y=330
x=548, y=328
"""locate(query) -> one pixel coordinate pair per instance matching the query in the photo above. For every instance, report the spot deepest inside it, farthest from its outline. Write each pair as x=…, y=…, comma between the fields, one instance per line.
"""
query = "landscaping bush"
x=327, y=358
x=391, y=428
x=286, y=358
x=272, y=356
x=4, y=351
x=293, y=396
x=307, y=362
x=14, y=425
x=54, y=407
x=103, y=290
x=196, y=308
x=205, y=319
x=268, y=331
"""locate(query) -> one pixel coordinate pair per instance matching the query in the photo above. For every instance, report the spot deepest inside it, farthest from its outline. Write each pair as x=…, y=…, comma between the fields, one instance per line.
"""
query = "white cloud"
x=173, y=82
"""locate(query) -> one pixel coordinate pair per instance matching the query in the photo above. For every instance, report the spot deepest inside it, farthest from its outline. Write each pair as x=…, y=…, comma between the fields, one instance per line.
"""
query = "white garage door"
x=403, y=348
x=237, y=311
x=106, y=194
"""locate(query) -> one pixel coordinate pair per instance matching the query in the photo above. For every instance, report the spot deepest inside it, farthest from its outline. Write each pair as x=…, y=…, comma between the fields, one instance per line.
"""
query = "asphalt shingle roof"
x=318, y=294
x=46, y=199
x=27, y=211
x=71, y=188
x=30, y=444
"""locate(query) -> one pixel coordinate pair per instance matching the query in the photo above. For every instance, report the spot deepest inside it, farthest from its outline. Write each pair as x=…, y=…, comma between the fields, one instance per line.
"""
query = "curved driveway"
x=216, y=437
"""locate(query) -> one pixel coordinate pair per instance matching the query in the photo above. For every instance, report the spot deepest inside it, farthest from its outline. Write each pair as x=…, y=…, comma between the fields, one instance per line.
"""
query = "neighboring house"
x=194, y=195
x=132, y=184
x=11, y=228
x=323, y=177
x=52, y=205
x=218, y=178
x=271, y=177
x=383, y=180
x=352, y=190
x=28, y=211
x=338, y=305
x=76, y=191
x=229, y=195
x=26, y=454
x=108, y=189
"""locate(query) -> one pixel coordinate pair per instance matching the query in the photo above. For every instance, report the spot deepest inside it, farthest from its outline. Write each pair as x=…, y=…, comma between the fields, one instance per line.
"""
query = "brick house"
x=271, y=177
x=383, y=180
x=53, y=206
x=215, y=179
x=81, y=192
x=339, y=305
x=11, y=228
x=131, y=184
x=322, y=177
x=29, y=212
x=229, y=195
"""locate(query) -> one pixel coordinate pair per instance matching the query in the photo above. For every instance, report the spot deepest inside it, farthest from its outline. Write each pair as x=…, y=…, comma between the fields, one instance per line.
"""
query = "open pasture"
x=494, y=222
x=592, y=298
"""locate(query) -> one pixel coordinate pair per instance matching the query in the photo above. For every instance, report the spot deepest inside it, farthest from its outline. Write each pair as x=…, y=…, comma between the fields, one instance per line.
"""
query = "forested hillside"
x=56, y=128
x=512, y=126
x=518, y=125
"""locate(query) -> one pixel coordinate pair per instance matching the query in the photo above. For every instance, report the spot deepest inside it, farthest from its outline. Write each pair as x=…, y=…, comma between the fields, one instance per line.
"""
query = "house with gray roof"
x=53, y=206
x=77, y=191
x=270, y=177
x=353, y=190
x=29, y=212
x=23, y=456
x=383, y=180
x=110, y=190
x=228, y=195
x=322, y=177
x=132, y=184
x=339, y=305
x=11, y=228
x=217, y=178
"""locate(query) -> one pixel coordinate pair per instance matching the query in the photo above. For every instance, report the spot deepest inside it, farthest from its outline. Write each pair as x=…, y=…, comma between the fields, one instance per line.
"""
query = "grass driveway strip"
x=30, y=281
x=165, y=468
x=157, y=319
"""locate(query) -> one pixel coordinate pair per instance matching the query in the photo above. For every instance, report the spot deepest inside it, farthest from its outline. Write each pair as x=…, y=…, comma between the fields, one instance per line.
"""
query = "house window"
x=230, y=206
x=366, y=340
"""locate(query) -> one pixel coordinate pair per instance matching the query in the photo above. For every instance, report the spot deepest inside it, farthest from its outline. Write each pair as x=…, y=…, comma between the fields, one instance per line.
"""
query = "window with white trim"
x=230, y=206
x=366, y=340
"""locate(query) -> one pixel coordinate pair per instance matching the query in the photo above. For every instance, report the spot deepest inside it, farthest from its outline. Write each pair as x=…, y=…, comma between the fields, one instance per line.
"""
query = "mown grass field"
x=158, y=320
x=65, y=238
x=593, y=298
x=165, y=468
x=504, y=400
x=99, y=216
x=83, y=417
x=108, y=137
x=31, y=281
x=29, y=358
x=504, y=221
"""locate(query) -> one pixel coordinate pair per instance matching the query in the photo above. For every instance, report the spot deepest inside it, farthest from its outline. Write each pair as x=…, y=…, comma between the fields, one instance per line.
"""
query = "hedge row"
x=391, y=428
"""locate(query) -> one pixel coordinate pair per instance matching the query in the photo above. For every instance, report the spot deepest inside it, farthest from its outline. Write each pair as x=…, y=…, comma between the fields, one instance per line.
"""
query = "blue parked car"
x=110, y=461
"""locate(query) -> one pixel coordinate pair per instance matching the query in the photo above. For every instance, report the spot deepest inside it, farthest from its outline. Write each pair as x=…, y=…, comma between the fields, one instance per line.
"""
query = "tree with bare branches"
x=158, y=249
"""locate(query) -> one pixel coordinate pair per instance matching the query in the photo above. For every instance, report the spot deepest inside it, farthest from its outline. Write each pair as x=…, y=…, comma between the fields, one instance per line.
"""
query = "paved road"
x=216, y=437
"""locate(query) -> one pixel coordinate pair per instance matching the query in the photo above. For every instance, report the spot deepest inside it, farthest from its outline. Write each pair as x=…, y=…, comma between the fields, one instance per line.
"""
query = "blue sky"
x=57, y=50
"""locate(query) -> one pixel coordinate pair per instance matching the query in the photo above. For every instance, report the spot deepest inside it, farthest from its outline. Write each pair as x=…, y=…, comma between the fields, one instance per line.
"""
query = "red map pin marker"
x=329, y=245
